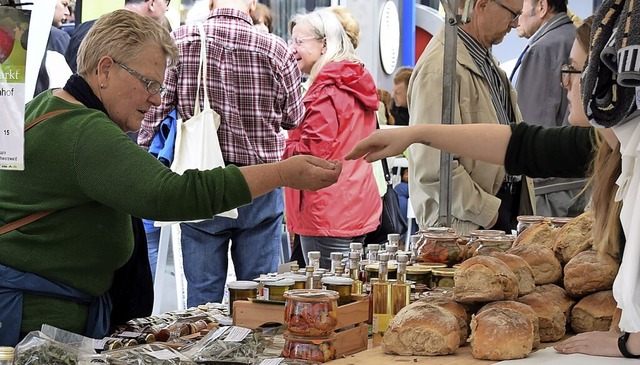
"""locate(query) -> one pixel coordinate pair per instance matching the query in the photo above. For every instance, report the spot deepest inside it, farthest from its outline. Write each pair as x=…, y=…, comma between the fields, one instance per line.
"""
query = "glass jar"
x=491, y=244
x=442, y=278
x=419, y=274
x=558, y=222
x=372, y=271
x=311, y=312
x=274, y=290
x=341, y=285
x=526, y=221
x=313, y=350
x=443, y=248
x=299, y=281
x=241, y=290
x=475, y=235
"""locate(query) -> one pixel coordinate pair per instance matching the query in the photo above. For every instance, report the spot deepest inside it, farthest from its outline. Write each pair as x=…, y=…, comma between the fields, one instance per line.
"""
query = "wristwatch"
x=622, y=346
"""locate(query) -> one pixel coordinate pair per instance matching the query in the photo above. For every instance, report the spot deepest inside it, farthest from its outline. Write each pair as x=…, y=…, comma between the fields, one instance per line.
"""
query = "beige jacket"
x=474, y=183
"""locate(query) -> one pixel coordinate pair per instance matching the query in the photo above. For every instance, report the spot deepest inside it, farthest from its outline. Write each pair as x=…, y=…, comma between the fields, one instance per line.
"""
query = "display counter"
x=375, y=356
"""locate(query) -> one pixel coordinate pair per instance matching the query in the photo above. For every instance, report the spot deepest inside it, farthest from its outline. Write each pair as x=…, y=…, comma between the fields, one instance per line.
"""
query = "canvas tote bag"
x=197, y=145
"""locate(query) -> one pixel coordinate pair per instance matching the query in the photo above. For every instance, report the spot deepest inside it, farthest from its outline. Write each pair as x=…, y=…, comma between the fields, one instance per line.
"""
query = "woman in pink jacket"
x=341, y=103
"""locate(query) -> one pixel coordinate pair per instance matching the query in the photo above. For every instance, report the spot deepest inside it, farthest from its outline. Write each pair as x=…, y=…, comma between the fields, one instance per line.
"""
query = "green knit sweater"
x=83, y=166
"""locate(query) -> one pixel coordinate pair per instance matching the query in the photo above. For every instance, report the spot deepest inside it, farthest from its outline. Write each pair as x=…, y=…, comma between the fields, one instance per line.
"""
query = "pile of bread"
x=506, y=303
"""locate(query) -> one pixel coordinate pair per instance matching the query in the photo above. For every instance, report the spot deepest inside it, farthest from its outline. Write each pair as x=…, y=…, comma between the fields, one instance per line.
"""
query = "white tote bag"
x=197, y=145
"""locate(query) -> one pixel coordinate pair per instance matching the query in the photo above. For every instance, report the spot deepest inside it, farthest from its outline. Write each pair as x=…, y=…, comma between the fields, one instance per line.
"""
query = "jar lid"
x=376, y=267
x=432, y=265
x=6, y=353
x=448, y=271
x=486, y=232
x=418, y=269
x=337, y=280
x=296, y=277
x=242, y=285
x=530, y=218
x=311, y=295
x=281, y=282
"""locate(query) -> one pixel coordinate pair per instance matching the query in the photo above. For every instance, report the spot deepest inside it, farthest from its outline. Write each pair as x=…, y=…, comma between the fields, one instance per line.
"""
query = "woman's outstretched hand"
x=381, y=144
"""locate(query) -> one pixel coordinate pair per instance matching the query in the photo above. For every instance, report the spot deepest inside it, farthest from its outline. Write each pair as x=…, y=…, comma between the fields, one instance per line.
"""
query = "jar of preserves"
x=443, y=248
x=475, y=235
x=419, y=274
x=241, y=290
x=313, y=350
x=341, y=285
x=442, y=278
x=491, y=244
x=526, y=221
x=311, y=312
x=274, y=290
x=299, y=281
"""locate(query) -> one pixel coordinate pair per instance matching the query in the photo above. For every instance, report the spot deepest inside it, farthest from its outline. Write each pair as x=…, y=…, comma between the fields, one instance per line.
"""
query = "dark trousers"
x=509, y=195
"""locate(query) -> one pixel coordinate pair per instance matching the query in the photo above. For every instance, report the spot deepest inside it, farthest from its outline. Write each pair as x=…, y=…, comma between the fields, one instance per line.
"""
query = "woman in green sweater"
x=81, y=165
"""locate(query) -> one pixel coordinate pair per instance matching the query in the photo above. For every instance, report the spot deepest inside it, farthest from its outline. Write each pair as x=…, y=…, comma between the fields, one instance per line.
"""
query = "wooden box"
x=351, y=333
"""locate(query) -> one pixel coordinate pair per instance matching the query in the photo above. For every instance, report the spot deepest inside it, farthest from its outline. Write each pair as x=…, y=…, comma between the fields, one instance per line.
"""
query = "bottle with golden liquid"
x=401, y=290
x=382, y=308
x=354, y=272
x=310, y=284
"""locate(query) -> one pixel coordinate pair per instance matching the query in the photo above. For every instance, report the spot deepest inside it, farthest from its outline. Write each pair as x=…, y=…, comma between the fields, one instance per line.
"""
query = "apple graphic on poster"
x=7, y=39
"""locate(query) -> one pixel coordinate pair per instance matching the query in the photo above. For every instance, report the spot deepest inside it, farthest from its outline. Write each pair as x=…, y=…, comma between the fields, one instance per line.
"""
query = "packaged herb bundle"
x=229, y=345
x=39, y=349
x=154, y=353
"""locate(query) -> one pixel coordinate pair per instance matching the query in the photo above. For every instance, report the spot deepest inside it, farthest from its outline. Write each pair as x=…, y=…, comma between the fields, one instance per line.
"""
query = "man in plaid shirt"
x=254, y=84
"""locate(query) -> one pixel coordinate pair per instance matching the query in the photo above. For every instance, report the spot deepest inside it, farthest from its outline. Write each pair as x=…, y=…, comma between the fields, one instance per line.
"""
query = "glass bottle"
x=382, y=308
x=392, y=250
x=6, y=355
x=393, y=239
x=401, y=290
x=336, y=261
x=413, y=247
x=294, y=269
x=317, y=280
x=309, y=274
x=314, y=259
x=525, y=221
x=354, y=272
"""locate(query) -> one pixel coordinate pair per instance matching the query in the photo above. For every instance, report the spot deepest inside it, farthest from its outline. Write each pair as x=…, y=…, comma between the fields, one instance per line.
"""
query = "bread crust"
x=484, y=279
x=490, y=328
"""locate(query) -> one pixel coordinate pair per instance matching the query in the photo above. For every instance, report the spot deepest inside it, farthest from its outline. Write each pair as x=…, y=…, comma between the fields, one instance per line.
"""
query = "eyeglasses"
x=565, y=75
x=297, y=41
x=153, y=87
x=515, y=15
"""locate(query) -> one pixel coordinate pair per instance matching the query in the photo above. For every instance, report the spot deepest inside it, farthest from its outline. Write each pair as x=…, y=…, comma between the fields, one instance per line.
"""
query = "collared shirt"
x=499, y=91
x=253, y=82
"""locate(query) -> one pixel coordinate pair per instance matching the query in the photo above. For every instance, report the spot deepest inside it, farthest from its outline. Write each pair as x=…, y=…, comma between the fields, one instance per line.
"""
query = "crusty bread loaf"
x=559, y=296
x=540, y=234
x=615, y=321
x=551, y=319
x=484, y=279
x=593, y=312
x=422, y=328
x=457, y=310
x=521, y=268
x=588, y=273
x=574, y=237
x=524, y=309
x=544, y=264
x=501, y=334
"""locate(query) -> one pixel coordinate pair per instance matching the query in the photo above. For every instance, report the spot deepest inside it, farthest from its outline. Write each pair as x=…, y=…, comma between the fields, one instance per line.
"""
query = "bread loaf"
x=422, y=328
x=456, y=309
x=524, y=309
x=484, y=279
x=551, y=319
x=501, y=334
x=574, y=237
x=544, y=264
x=559, y=296
x=540, y=234
x=593, y=312
x=520, y=268
x=588, y=273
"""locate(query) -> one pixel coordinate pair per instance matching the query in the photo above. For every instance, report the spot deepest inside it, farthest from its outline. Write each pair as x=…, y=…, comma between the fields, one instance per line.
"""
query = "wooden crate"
x=351, y=333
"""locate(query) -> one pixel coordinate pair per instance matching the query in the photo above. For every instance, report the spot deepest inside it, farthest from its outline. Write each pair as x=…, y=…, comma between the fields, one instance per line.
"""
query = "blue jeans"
x=326, y=245
x=153, y=242
x=255, y=247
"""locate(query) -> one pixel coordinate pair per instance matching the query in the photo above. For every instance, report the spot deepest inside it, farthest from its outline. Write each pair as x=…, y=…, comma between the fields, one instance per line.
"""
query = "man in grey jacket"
x=541, y=98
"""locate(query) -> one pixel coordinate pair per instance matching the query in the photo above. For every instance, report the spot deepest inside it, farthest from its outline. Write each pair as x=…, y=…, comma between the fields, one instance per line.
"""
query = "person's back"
x=254, y=85
x=483, y=94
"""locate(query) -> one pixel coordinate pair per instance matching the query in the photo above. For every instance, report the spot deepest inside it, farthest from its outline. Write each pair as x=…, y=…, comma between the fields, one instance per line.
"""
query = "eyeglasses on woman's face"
x=513, y=13
x=153, y=87
x=565, y=75
x=298, y=41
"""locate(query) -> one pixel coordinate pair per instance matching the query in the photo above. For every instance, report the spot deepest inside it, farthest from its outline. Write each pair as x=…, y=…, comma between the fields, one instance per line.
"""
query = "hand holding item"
x=305, y=172
x=383, y=143
x=601, y=343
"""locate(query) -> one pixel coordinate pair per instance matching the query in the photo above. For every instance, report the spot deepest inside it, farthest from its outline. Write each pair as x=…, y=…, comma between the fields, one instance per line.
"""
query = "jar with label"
x=442, y=248
x=241, y=290
x=313, y=350
x=311, y=312
x=6, y=355
x=442, y=278
x=340, y=284
x=526, y=221
x=274, y=290
x=491, y=244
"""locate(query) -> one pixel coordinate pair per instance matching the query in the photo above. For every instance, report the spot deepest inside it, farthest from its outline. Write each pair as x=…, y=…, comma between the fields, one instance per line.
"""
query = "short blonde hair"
x=123, y=34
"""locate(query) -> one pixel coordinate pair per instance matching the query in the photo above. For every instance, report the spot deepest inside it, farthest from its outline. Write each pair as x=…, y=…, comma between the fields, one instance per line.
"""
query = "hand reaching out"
x=381, y=144
x=305, y=172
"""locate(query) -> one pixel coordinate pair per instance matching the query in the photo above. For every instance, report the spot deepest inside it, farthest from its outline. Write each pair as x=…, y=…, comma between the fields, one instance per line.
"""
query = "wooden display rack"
x=351, y=333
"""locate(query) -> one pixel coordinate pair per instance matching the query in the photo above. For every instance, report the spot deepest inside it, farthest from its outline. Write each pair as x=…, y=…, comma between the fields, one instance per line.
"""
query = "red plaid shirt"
x=253, y=81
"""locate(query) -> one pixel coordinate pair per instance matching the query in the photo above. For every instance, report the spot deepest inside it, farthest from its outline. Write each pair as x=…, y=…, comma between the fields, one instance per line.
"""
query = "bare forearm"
x=262, y=178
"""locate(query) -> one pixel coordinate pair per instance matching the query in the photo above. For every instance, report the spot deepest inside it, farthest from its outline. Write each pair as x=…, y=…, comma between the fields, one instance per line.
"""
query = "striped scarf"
x=612, y=72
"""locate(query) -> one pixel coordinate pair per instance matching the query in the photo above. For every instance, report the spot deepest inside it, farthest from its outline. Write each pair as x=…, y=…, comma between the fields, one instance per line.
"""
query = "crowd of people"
x=294, y=149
